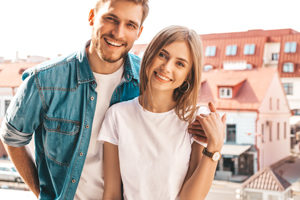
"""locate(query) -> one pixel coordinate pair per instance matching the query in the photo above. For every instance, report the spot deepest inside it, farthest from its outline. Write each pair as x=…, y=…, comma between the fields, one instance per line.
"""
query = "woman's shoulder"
x=124, y=106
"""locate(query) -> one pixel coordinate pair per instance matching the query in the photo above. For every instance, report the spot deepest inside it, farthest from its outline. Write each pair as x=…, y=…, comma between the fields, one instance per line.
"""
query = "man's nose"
x=119, y=31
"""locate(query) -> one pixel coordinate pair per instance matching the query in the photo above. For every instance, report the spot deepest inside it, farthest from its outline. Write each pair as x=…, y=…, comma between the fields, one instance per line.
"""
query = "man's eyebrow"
x=135, y=23
x=115, y=16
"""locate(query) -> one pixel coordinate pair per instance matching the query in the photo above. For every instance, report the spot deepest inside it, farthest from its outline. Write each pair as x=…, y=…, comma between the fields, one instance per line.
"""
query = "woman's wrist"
x=214, y=146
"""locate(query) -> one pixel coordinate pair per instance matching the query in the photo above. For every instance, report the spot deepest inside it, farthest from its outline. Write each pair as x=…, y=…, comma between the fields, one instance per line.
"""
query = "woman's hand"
x=214, y=128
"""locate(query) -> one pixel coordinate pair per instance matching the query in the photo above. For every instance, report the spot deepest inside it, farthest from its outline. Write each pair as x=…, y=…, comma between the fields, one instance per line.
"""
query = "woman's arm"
x=202, y=168
x=112, y=175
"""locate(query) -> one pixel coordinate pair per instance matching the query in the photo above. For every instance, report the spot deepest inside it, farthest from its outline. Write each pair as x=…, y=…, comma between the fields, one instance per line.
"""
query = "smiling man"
x=62, y=104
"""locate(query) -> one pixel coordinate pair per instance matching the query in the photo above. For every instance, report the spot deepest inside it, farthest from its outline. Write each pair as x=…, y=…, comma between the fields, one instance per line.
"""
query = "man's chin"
x=112, y=59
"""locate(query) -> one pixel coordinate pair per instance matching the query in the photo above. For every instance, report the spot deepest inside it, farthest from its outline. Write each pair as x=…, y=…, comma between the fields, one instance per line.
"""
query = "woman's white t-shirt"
x=154, y=150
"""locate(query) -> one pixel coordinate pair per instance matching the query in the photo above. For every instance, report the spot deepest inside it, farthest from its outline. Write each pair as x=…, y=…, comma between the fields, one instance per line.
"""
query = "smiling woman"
x=146, y=140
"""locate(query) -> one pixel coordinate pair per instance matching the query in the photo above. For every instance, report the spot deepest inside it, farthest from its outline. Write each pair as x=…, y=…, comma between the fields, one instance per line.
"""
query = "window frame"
x=288, y=67
x=249, y=49
x=231, y=50
x=225, y=95
x=210, y=51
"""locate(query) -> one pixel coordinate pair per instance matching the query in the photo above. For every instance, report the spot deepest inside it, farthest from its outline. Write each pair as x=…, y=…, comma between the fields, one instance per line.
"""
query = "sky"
x=51, y=27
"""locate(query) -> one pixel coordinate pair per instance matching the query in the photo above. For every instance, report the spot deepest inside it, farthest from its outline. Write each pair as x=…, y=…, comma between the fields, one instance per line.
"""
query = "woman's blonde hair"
x=185, y=96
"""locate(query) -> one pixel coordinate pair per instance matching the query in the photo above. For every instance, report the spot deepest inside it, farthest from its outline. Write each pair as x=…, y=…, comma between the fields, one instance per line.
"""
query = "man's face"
x=116, y=26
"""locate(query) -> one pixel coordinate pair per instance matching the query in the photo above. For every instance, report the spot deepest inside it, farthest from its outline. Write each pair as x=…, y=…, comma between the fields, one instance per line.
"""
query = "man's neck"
x=100, y=66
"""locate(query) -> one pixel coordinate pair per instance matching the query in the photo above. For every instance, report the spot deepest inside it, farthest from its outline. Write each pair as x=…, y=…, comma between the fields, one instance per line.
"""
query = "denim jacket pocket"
x=60, y=139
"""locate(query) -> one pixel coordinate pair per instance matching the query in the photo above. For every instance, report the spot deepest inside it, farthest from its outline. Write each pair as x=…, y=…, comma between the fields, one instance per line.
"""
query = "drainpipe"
x=255, y=145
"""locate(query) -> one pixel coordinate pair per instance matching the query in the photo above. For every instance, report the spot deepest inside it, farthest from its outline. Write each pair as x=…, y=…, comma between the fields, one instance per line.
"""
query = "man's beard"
x=108, y=57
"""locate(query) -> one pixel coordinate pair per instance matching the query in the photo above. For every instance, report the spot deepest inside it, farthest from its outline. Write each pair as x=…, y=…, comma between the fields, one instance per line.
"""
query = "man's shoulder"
x=56, y=64
x=134, y=58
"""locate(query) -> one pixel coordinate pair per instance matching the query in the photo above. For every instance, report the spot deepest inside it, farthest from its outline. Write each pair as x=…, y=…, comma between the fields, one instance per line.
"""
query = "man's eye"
x=132, y=26
x=110, y=19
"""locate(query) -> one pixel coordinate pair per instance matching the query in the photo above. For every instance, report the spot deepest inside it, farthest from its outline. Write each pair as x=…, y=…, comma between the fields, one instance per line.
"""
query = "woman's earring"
x=185, y=87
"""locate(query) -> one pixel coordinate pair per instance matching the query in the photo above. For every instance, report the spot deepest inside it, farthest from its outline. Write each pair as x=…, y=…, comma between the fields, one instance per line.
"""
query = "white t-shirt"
x=154, y=150
x=91, y=184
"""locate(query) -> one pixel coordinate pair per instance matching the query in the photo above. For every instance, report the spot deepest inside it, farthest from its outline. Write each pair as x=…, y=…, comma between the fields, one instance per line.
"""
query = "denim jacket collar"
x=85, y=74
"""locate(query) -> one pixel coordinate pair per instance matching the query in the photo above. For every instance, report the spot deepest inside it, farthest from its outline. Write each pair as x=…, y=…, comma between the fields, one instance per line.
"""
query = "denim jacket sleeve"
x=23, y=114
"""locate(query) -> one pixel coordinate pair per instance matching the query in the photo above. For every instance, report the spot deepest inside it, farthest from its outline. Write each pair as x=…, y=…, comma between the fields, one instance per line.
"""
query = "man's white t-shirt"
x=154, y=150
x=91, y=184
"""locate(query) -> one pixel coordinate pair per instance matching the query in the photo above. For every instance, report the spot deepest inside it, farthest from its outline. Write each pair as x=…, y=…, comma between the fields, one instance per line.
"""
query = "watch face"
x=216, y=156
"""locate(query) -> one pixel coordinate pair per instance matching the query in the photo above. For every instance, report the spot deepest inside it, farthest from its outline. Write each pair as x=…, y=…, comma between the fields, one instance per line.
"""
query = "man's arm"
x=24, y=163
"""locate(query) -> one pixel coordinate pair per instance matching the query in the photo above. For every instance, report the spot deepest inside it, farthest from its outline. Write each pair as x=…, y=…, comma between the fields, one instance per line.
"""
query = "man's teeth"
x=113, y=43
x=162, y=77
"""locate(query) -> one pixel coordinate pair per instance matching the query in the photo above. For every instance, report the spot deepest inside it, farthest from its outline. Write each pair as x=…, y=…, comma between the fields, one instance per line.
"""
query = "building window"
x=296, y=111
x=290, y=47
x=249, y=49
x=288, y=67
x=284, y=130
x=249, y=66
x=225, y=92
x=6, y=104
x=231, y=50
x=231, y=133
x=288, y=88
x=207, y=67
x=278, y=131
x=275, y=56
x=263, y=133
x=270, y=131
x=278, y=104
x=210, y=51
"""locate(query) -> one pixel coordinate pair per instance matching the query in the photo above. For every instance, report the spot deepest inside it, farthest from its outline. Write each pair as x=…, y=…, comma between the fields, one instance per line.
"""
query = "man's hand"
x=197, y=131
x=24, y=163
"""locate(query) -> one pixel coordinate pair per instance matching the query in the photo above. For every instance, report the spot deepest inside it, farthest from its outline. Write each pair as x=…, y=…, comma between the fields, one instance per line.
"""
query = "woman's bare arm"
x=112, y=175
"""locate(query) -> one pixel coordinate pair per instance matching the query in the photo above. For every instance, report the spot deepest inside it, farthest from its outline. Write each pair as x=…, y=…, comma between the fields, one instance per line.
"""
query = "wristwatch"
x=214, y=156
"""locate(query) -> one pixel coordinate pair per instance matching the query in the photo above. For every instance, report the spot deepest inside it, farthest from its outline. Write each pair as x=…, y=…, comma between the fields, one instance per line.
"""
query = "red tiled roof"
x=11, y=73
x=248, y=97
x=249, y=33
x=266, y=179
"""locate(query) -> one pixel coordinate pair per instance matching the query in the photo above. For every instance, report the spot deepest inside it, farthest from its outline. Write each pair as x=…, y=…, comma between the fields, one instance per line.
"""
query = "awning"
x=294, y=120
x=234, y=150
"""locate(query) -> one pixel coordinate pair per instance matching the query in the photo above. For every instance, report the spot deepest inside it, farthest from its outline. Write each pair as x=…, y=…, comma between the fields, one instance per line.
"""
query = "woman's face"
x=170, y=67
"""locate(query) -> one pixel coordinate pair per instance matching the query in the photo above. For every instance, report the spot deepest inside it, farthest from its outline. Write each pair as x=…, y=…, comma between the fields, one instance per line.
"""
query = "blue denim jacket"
x=57, y=101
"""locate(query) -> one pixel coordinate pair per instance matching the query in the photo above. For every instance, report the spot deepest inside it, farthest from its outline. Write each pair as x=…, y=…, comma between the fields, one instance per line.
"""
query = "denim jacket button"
x=87, y=126
x=92, y=98
x=73, y=181
x=81, y=154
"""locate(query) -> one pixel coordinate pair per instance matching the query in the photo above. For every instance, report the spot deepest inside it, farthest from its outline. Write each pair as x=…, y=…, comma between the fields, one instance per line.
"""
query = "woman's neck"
x=158, y=102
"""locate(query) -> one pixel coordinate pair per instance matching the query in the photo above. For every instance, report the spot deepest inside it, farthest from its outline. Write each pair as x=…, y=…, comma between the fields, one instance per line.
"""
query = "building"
x=266, y=184
x=255, y=49
x=258, y=131
x=10, y=79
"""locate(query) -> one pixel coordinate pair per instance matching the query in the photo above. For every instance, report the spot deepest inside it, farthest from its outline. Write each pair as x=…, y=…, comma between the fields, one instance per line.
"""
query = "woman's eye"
x=180, y=64
x=162, y=55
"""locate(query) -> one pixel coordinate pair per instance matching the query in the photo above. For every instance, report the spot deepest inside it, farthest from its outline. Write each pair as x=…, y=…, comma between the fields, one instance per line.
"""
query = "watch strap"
x=207, y=153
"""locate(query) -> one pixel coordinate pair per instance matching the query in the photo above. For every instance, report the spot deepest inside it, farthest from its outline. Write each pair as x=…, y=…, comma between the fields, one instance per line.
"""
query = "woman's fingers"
x=211, y=107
